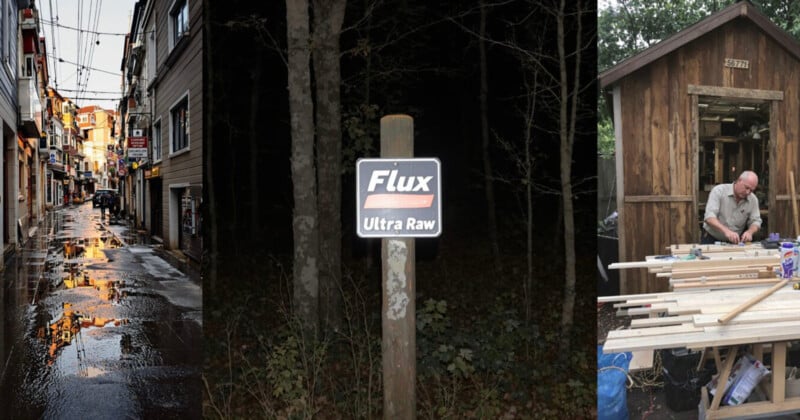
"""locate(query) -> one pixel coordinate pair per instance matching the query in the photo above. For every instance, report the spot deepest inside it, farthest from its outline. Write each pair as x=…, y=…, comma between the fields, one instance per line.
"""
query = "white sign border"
x=438, y=198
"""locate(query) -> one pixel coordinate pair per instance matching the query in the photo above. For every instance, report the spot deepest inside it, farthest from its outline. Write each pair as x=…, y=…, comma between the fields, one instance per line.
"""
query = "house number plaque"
x=737, y=64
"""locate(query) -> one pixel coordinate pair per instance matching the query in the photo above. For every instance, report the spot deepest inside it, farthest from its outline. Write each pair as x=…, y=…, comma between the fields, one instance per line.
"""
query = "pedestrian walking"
x=103, y=205
x=115, y=205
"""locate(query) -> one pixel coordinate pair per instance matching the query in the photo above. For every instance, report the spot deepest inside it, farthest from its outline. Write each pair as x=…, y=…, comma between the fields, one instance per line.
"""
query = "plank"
x=619, y=298
x=735, y=92
x=642, y=302
x=721, y=284
x=703, y=320
x=648, y=310
x=794, y=204
x=638, y=264
x=722, y=383
x=653, y=343
x=648, y=332
x=641, y=360
x=657, y=198
x=759, y=261
x=663, y=321
x=755, y=409
x=718, y=272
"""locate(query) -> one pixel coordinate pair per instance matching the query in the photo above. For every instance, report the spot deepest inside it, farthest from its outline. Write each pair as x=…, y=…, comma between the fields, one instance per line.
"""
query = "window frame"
x=151, y=53
x=178, y=13
x=158, y=141
x=175, y=105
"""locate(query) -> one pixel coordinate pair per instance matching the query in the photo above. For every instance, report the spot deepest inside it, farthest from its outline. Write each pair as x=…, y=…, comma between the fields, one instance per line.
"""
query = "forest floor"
x=245, y=323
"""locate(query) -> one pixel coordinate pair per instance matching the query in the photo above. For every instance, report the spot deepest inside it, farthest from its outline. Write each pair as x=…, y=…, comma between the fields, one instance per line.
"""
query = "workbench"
x=724, y=299
x=691, y=319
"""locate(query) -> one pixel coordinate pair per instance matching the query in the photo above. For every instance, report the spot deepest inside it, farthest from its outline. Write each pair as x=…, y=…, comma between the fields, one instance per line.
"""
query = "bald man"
x=732, y=211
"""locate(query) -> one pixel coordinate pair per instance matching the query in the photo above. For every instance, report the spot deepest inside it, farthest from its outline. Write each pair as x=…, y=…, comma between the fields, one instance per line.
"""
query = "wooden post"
x=794, y=204
x=399, y=341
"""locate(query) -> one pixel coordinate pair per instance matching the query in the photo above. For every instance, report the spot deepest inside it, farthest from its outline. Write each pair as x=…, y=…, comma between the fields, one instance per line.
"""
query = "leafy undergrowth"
x=477, y=355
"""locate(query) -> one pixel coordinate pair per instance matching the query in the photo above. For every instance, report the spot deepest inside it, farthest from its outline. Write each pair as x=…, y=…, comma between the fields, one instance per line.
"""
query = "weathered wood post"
x=399, y=343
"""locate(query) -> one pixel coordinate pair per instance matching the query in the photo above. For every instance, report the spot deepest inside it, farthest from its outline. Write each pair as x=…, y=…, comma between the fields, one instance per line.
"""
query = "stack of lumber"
x=719, y=249
x=692, y=318
x=724, y=273
x=719, y=267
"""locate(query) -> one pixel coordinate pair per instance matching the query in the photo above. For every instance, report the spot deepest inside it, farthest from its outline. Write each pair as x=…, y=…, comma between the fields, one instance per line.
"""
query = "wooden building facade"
x=693, y=111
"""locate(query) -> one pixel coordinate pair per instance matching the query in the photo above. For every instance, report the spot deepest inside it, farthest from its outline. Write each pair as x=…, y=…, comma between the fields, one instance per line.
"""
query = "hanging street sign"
x=137, y=142
x=137, y=152
x=398, y=198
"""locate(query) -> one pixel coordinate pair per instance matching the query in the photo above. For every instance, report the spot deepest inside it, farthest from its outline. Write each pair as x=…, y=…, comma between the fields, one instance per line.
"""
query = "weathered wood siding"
x=659, y=146
x=179, y=71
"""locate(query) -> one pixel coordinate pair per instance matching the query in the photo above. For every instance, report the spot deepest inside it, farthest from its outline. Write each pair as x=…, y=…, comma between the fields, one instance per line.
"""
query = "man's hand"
x=747, y=236
x=732, y=236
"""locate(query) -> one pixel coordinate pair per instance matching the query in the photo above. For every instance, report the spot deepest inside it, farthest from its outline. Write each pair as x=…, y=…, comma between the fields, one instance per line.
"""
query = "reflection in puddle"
x=92, y=372
x=64, y=330
x=110, y=290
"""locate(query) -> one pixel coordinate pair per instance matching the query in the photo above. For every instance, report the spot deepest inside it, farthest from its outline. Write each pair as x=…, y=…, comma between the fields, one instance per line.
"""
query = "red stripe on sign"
x=398, y=201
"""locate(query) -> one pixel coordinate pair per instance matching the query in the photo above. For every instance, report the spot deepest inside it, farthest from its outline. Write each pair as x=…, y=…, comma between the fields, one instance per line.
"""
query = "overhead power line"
x=86, y=98
x=50, y=22
x=61, y=60
x=88, y=91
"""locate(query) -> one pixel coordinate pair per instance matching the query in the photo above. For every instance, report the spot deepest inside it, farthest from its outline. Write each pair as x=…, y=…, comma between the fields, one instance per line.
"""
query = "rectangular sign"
x=398, y=198
x=137, y=142
x=737, y=64
x=137, y=152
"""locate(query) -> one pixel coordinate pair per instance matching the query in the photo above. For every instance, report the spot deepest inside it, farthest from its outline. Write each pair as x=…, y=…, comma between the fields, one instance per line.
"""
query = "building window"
x=179, y=18
x=179, y=125
x=157, y=141
x=11, y=59
x=27, y=70
x=49, y=188
x=150, y=63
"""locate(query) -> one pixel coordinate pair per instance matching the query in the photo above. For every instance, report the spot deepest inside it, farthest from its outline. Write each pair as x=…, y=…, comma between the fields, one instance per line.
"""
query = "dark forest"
x=490, y=290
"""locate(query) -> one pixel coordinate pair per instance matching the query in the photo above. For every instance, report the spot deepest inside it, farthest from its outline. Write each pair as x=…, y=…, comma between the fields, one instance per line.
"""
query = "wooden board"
x=693, y=319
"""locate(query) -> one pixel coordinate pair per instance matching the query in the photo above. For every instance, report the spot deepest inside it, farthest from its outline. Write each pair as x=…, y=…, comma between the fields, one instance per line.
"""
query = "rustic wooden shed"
x=694, y=110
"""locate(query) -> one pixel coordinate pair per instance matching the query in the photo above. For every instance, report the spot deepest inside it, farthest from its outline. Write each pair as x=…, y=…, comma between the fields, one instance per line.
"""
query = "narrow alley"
x=97, y=324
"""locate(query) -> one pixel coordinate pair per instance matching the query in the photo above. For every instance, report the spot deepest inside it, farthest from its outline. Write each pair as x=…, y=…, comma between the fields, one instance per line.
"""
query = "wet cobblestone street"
x=97, y=325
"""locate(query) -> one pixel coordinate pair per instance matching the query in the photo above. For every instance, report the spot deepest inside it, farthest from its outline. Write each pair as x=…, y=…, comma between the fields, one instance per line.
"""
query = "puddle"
x=88, y=327
x=67, y=329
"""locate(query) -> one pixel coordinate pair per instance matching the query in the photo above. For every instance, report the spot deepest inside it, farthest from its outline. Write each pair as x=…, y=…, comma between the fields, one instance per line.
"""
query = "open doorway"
x=734, y=136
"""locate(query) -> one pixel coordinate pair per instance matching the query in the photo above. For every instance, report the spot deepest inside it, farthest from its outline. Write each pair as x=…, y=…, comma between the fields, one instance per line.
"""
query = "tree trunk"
x=211, y=225
x=304, y=220
x=530, y=109
x=567, y=116
x=487, y=161
x=253, y=140
x=328, y=18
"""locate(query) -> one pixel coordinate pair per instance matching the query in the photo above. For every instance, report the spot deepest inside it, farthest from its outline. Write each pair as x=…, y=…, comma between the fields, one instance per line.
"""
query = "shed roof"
x=743, y=9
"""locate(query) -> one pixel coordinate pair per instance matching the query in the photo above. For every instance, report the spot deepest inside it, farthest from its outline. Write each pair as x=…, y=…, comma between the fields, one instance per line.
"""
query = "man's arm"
x=754, y=221
x=732, y=236
x=747, y=236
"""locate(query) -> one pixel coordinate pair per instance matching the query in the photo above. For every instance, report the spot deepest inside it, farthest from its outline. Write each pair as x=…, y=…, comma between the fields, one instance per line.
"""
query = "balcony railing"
x=30, y=108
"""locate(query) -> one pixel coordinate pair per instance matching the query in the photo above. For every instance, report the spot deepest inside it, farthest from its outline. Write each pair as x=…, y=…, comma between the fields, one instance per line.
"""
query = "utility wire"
x=90, y=91
x=87, y=98
x=50, y=22
x=61, y=60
